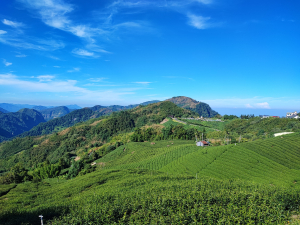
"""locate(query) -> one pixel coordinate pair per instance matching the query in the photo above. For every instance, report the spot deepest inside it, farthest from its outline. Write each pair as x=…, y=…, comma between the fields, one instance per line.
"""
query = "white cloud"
x=11, y=23
x=43, y=78
x=30, y=86
x=54, y=14
x=32, y=43
x=248, y=106
x=74, y=70
x=100, y=79
x=3, y=32
x=198, y=22
x=142, y=83
x=7, y=63
x=83, y=52
x=78, y=93
x=263, y=105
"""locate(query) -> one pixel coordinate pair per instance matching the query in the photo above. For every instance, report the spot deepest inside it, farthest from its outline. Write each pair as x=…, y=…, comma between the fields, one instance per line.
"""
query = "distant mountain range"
x=16, y=107
x=3, y=110
x=40, y=120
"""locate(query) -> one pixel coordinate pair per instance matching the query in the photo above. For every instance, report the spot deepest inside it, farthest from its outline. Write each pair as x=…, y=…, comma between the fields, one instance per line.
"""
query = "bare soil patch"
x=95, y=123
x=64, y=131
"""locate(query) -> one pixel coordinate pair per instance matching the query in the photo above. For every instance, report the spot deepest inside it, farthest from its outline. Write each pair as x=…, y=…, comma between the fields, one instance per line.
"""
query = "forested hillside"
x=78, y=139
x=13, y=124
x=201, y=108
x=56, y=112
x=262, y=127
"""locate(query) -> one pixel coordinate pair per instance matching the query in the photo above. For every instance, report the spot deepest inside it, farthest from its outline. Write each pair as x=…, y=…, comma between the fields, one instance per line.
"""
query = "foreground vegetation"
x=147, y=197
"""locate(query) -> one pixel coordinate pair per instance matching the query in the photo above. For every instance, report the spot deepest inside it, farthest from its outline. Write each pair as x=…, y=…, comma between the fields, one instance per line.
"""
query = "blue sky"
x=229, y=54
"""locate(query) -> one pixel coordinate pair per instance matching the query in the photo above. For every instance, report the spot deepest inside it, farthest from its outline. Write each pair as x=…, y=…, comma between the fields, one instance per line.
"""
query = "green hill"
x=201, y=108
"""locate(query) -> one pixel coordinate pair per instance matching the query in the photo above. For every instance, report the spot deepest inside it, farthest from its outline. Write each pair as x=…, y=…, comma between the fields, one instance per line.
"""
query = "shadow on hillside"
x=12, y=218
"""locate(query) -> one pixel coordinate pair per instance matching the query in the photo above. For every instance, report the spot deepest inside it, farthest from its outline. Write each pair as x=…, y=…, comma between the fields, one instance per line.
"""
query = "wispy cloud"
x=54, y=13
x=82, y=52
x=256, y=102
x=76, y=69
x=6, y=63
x=43, y=78
x=12, y=24
x=31, y=43
x=46, y=84
x=263, y=105
x=21, y=55
x=144, y=83
x=96, y=80
x=3, y=32
x=198, y=22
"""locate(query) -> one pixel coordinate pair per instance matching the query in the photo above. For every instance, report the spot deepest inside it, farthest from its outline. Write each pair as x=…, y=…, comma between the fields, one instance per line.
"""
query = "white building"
x=293, y=115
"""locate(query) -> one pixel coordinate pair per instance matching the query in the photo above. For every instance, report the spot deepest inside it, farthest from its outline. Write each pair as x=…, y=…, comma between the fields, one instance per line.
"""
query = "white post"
x=41, y=216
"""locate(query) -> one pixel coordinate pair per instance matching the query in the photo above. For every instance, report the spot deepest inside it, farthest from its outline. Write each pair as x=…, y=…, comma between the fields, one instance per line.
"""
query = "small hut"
x=202, y=143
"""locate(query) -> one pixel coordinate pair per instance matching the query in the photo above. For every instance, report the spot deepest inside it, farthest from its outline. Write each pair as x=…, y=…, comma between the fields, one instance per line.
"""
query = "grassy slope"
x=144, y=197
x=272, y=161
x=187, y=126
x=156, y=183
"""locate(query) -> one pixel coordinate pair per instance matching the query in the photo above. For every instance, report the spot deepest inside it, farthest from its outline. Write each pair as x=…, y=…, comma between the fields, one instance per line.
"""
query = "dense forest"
x=13, y=124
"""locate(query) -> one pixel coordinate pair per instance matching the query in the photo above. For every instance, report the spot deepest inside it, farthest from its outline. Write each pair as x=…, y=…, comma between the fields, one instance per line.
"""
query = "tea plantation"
x=170, y=182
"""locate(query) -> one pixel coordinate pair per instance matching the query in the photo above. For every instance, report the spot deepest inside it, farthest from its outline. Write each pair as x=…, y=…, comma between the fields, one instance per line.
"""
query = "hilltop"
x=201, y=108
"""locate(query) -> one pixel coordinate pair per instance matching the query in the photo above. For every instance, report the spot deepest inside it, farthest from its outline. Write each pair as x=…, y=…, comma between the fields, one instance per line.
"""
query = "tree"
x=19, y=173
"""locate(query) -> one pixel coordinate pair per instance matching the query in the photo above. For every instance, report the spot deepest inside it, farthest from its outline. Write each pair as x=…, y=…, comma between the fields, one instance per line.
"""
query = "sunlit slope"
x=146, y=155
x=255, y=161
x=135, y=196
x=273, y=161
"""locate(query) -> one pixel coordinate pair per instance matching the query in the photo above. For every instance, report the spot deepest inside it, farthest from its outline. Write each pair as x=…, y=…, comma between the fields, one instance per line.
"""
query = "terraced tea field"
x=273, y=161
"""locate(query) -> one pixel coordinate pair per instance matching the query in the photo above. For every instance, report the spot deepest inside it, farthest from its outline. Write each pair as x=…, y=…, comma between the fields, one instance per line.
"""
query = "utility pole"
x=41, y=216
x=202, y=136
